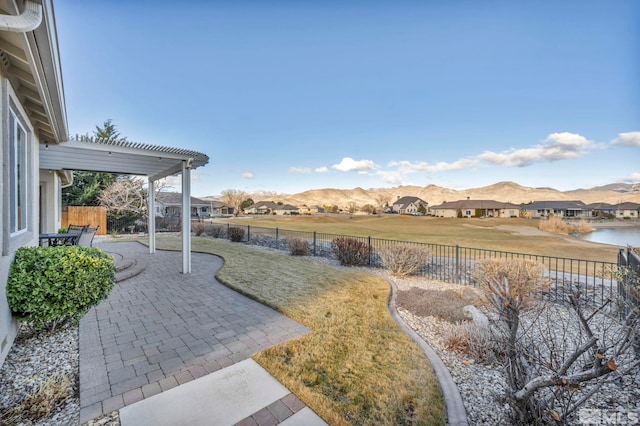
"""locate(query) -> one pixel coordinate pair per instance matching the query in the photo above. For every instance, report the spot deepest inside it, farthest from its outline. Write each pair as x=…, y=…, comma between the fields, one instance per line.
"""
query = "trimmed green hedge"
x=49, y=286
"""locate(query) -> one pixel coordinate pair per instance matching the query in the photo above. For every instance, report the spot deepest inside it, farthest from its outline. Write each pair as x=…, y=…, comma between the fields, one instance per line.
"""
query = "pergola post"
x=151, y=216
x=186, y=216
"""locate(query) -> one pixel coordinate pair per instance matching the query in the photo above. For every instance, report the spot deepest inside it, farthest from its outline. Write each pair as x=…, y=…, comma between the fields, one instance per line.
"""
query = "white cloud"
x=407, y=167
x=394, y=178
x=323, y=169
x=299, y=170
x=557, y=146
x=632, y=178
x=631, y=139
x=248, y=175
x=350, y=165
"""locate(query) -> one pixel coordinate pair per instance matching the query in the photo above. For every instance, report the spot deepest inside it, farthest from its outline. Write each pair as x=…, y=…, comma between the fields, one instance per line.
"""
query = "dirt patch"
x=443, y=304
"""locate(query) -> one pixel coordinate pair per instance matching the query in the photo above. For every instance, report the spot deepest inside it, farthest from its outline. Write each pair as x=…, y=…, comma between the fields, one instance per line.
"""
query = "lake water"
x=615, y=236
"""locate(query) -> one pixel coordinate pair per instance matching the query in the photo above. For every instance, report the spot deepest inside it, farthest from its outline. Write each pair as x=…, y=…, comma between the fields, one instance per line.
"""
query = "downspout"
x=28, y=20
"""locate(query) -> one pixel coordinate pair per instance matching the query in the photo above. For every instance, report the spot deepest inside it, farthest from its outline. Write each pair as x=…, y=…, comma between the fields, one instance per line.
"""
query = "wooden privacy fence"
x=85, y=215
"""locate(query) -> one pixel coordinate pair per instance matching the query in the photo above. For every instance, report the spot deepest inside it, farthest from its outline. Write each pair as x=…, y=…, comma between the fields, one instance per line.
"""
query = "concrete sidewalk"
x=242, y=394
x=161, y=329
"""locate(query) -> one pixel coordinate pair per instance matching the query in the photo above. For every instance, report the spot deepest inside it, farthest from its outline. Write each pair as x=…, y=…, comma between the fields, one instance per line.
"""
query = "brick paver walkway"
x=163, y=328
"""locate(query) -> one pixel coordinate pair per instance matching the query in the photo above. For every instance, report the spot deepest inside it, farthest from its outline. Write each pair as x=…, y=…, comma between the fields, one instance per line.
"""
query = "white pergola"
x=131, y=158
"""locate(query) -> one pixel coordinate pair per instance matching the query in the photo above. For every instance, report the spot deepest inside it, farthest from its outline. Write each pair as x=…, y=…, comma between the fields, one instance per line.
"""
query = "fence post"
x=369, y=242
x=228, y=228
x=457, y=264
x=277, y=242
x=248, y=233
x=314, y=243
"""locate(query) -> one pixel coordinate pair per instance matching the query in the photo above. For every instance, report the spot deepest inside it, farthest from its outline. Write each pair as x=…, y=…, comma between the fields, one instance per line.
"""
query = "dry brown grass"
x=443, y=304
x=555, y=225
x=51, y=395
x=479, y=233
x=356, y=366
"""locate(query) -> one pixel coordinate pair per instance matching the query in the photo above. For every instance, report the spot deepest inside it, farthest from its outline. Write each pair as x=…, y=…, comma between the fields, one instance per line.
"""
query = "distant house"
x=218, y=208
x=169, y=204
x=627, y=210
x=475, y=208
x=602, y=210
x=310, y=209
x=570, y=209
x=409, y=205
x=269, y=207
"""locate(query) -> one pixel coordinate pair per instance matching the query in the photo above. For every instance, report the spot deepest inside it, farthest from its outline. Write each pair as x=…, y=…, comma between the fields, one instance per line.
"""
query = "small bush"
x=215, y=231
x=351, y=251
x=49, y=286
x=236, y=234
x=197, y=228
x=298, y=246
x=469, y=339
x=404, y=259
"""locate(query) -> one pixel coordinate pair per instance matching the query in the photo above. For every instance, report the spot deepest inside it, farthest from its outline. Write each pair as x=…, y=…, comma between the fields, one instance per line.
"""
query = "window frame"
x=18, y=175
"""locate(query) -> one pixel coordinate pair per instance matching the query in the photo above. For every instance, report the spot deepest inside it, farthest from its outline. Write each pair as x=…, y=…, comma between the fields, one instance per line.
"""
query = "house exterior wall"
x=50, y=201
x=28, y=237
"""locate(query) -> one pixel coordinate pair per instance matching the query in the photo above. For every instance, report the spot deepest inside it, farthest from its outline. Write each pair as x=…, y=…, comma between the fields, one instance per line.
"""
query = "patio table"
x=52, y=240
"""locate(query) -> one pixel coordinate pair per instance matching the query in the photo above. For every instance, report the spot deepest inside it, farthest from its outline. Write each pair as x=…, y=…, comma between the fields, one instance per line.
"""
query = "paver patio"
x=162, y=328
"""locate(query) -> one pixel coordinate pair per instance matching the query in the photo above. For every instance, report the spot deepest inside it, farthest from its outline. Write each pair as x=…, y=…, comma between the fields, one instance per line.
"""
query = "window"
x=17, y=176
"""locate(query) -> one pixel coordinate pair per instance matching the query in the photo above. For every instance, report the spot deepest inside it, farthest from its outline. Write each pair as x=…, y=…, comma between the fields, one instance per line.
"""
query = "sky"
x=287, y=96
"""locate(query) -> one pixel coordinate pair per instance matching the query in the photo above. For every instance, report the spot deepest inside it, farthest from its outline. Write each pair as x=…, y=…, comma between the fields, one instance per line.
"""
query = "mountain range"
x=510, y=192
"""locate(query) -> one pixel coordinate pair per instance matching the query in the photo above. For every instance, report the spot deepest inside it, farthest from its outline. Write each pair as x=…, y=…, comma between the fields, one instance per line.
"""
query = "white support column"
x=151, y=219
x=186, y=217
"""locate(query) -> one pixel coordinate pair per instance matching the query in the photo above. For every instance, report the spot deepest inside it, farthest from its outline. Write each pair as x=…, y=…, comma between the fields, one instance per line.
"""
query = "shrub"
x=298, y=246
x=351, y=251
x=216, y=231
x=49, y=286
x=236, y=234
x=471, y=340
x=198, y=228
x=404, y=259
x=522, y=278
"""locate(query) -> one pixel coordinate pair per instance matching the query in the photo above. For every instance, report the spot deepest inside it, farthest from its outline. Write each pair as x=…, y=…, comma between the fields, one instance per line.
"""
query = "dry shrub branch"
x=556, y=356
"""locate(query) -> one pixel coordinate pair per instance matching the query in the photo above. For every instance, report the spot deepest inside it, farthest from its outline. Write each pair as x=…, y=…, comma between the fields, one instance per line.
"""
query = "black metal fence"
x=628, y=285
x=452, y=263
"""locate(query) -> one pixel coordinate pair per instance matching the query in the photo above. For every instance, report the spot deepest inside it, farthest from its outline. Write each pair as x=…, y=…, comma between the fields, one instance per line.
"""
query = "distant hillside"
x=503, y=191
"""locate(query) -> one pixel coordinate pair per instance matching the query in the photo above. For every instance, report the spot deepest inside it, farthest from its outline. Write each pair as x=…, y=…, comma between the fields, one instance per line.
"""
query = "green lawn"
x=477, y=233
x=356, y=366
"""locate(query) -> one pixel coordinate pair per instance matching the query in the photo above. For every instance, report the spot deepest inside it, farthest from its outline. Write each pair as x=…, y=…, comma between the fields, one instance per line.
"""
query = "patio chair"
x=86, y=237
x=76, y=232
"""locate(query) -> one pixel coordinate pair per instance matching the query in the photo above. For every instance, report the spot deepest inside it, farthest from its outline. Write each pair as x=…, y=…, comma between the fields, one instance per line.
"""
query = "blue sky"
x=293, y=95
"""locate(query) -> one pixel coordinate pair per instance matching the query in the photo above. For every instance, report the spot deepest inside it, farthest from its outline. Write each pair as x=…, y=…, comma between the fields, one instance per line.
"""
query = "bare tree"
x=352, y=207
x=368, y=208
x=125, y=196
x=556, y=356
x=234, y=198
x=382, y=200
